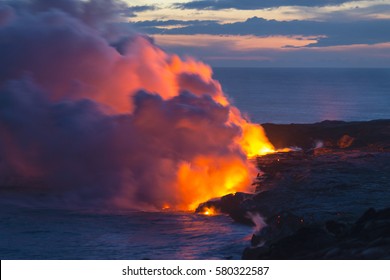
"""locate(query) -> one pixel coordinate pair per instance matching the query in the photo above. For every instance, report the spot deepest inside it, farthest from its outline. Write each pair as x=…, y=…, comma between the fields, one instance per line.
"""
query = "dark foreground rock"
x=341, y=170
x=332, y=185
x=367, y=238
x=232, y=204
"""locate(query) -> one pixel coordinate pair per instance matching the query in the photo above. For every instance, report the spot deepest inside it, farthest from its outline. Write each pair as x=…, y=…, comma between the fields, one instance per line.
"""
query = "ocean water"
x=307, y=95
x=43, y=233
x=267, y=95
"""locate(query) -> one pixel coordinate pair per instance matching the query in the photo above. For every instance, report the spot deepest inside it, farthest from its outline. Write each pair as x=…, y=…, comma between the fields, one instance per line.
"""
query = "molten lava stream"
x=208, y=211
x=208, y=177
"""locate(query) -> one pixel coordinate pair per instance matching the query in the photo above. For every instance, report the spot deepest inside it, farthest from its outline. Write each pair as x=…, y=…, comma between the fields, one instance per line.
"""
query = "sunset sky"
x=269, y=33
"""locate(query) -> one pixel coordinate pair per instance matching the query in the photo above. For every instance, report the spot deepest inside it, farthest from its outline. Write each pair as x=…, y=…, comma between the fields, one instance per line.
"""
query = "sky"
x=269, y=33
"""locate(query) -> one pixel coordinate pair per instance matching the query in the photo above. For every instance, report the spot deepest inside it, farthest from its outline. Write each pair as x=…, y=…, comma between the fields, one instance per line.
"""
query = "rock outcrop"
x=341, y=170
x=367, y=238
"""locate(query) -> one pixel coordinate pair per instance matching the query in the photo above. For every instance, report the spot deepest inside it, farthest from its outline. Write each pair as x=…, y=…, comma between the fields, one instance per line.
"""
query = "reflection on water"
x=59, y=234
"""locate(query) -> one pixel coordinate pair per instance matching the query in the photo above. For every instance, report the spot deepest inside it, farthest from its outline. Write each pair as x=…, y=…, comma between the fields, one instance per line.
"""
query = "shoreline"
x=319, y=194
x=307, y=136
x=341, y=172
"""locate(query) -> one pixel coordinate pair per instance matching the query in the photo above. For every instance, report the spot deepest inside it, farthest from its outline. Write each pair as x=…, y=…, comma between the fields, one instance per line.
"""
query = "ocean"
x=266, y=95
x=308, y=95
x=44, y=233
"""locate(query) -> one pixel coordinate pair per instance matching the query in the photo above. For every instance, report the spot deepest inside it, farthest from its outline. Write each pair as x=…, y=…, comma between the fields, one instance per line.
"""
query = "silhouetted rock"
x=336, y=228
x=231, y=204
x=367, y=238
x=322, y=186
x=332, y=134
x=311, y=198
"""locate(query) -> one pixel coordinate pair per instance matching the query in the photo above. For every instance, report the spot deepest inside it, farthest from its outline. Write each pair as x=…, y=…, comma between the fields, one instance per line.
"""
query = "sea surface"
x=267, y=95
x=308, y=95
x=44, y=233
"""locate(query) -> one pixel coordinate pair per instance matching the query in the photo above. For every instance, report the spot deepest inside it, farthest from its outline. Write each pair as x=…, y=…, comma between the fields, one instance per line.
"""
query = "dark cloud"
x=143, y=8
x=6, y=14
x=254, y=4
x=133, y=10
x=153, y=23
x=337, y=33
x=91, y=12
x=159, y=26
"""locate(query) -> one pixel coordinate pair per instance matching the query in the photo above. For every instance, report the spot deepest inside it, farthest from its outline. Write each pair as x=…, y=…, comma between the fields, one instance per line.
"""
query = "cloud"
x=90, y=12
x=235, y=42
x=154, y=23
x=253, y=4
x=330, y=32
x=160, y=26
x=222, y=52
x=132, y=11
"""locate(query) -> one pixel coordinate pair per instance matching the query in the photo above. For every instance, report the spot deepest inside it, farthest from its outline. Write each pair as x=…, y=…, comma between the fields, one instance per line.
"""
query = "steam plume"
x=92, y=115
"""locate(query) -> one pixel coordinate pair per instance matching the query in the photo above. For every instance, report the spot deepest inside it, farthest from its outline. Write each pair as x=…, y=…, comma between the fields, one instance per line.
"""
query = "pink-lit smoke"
x=98, y=116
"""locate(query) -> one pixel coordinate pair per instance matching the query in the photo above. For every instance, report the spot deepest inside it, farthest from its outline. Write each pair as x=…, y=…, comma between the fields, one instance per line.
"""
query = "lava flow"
x=112, y=120
x=209, y=211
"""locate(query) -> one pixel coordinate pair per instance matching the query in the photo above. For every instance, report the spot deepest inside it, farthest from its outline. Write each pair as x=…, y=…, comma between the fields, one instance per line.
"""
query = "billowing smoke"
x=91, y=115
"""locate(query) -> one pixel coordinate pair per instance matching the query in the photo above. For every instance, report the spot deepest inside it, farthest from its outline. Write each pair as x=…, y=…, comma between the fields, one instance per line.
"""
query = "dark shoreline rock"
x=337, y=185
x=365, y=134
x=231, y=204
x=312, y=198
x=367, y=238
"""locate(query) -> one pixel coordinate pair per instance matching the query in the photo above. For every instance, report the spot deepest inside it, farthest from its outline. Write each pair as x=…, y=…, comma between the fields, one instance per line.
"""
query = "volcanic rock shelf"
x=342, y=170
x=367, y=238
x=332, y=134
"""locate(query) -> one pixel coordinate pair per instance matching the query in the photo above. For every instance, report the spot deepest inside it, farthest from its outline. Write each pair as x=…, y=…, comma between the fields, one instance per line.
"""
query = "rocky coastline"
x=328, y=199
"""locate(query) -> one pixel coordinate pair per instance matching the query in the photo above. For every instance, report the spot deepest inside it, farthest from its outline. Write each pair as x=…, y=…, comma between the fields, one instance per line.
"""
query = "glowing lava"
x=208, y=211
x=254, y=142
x=208, y=177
